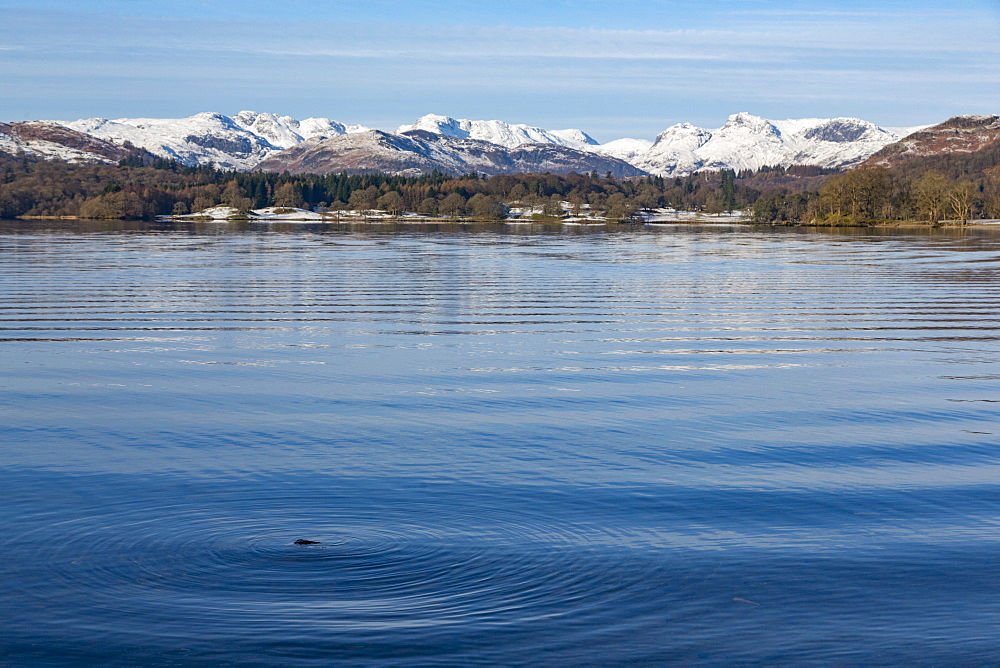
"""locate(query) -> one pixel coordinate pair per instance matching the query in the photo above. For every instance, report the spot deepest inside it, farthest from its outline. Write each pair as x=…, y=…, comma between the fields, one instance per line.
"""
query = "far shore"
x=654, y=218
x=701, y=220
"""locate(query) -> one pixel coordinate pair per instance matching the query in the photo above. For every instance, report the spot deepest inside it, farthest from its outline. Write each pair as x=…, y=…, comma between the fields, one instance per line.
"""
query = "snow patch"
x=240, y=142
x=748, y=142
x=509, y=135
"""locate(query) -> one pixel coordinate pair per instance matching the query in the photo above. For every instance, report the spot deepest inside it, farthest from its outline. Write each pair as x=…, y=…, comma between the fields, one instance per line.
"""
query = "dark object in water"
x=303, y=541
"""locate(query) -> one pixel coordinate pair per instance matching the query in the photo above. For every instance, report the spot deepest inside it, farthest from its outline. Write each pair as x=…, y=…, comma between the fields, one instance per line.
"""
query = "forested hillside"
x=930, y=188
x=143, y=187
x=950, y=186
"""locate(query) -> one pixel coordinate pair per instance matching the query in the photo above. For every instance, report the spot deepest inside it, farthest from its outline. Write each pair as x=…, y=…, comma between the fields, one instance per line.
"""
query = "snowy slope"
x=624, y=149
x=751, y=142
x=285, y=132
x=673, y=152
x=55, y=142
x=239, y=142
x=498, y=132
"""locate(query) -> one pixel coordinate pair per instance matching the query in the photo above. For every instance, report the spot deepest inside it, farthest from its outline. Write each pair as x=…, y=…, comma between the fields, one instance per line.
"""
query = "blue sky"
x=612, y=69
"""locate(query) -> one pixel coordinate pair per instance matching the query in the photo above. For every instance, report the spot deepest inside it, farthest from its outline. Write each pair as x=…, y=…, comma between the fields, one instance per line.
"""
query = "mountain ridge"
x=420, y=151
x=52, y=141
x=251, y=140
x=959, y=134
x=237, y=142
x=509, y=135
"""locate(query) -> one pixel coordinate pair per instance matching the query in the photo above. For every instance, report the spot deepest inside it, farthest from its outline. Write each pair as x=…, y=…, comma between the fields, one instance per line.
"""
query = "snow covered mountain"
x=248, y=139
x=55, y=142
x=498, y=132
x=751, y=142
x=285, y=132
x=744, y=142
x=238, y=142
x=419, y=151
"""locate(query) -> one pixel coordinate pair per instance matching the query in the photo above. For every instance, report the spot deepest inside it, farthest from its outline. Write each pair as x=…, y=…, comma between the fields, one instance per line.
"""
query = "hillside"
x=419, y=151
x=55, y=142
x=957, y=135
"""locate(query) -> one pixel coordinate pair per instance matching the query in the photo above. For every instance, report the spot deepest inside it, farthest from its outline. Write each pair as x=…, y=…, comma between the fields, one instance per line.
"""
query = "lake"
x=513, y=444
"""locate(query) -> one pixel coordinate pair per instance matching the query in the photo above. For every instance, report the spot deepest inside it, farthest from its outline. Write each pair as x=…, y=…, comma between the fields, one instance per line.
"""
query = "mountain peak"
x=510, y=135
x=212, y=116
x=686, y=133
x=747, y=121
x=442, y=125
x=843, y=130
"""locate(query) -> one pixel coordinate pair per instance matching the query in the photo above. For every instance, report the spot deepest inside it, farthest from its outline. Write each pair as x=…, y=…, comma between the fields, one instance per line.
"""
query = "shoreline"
x=691, y=219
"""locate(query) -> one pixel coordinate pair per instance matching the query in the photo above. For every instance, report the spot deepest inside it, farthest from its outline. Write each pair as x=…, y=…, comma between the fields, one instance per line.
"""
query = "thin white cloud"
x=823, y=13
x=831, y=60
x=761, y=43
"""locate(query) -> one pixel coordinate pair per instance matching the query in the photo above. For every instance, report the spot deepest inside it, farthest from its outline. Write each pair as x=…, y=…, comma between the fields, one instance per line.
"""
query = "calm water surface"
x=515, y=446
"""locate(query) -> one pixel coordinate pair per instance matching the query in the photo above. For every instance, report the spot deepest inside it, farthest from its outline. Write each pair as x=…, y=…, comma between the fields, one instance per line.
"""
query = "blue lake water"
x=514, y=445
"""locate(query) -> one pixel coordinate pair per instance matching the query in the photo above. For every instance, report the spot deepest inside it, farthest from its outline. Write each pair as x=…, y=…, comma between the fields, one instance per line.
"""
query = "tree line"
x=142, y=187
x=957, y=186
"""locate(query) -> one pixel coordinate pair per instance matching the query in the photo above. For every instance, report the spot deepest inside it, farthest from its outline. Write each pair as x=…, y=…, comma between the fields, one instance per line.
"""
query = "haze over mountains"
x=264, y=141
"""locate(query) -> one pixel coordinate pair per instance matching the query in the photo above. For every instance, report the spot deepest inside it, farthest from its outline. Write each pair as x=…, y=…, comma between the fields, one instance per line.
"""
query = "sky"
x=613, y=69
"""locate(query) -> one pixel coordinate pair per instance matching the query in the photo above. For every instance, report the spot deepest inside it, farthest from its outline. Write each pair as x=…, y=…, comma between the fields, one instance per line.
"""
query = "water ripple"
x=512, y=445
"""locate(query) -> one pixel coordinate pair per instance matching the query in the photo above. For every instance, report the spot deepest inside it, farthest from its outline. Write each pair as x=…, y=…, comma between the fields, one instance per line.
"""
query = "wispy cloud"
x=761, y=44
x=807, y=57
x=821, y=13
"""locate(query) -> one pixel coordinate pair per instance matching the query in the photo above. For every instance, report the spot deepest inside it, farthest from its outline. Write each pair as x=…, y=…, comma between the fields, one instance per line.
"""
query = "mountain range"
x=239, y=142
x=263, y=141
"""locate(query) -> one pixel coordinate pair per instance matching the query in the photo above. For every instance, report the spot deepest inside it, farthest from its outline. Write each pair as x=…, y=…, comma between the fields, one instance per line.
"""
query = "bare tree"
x=931, y=195
x=960, y=201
